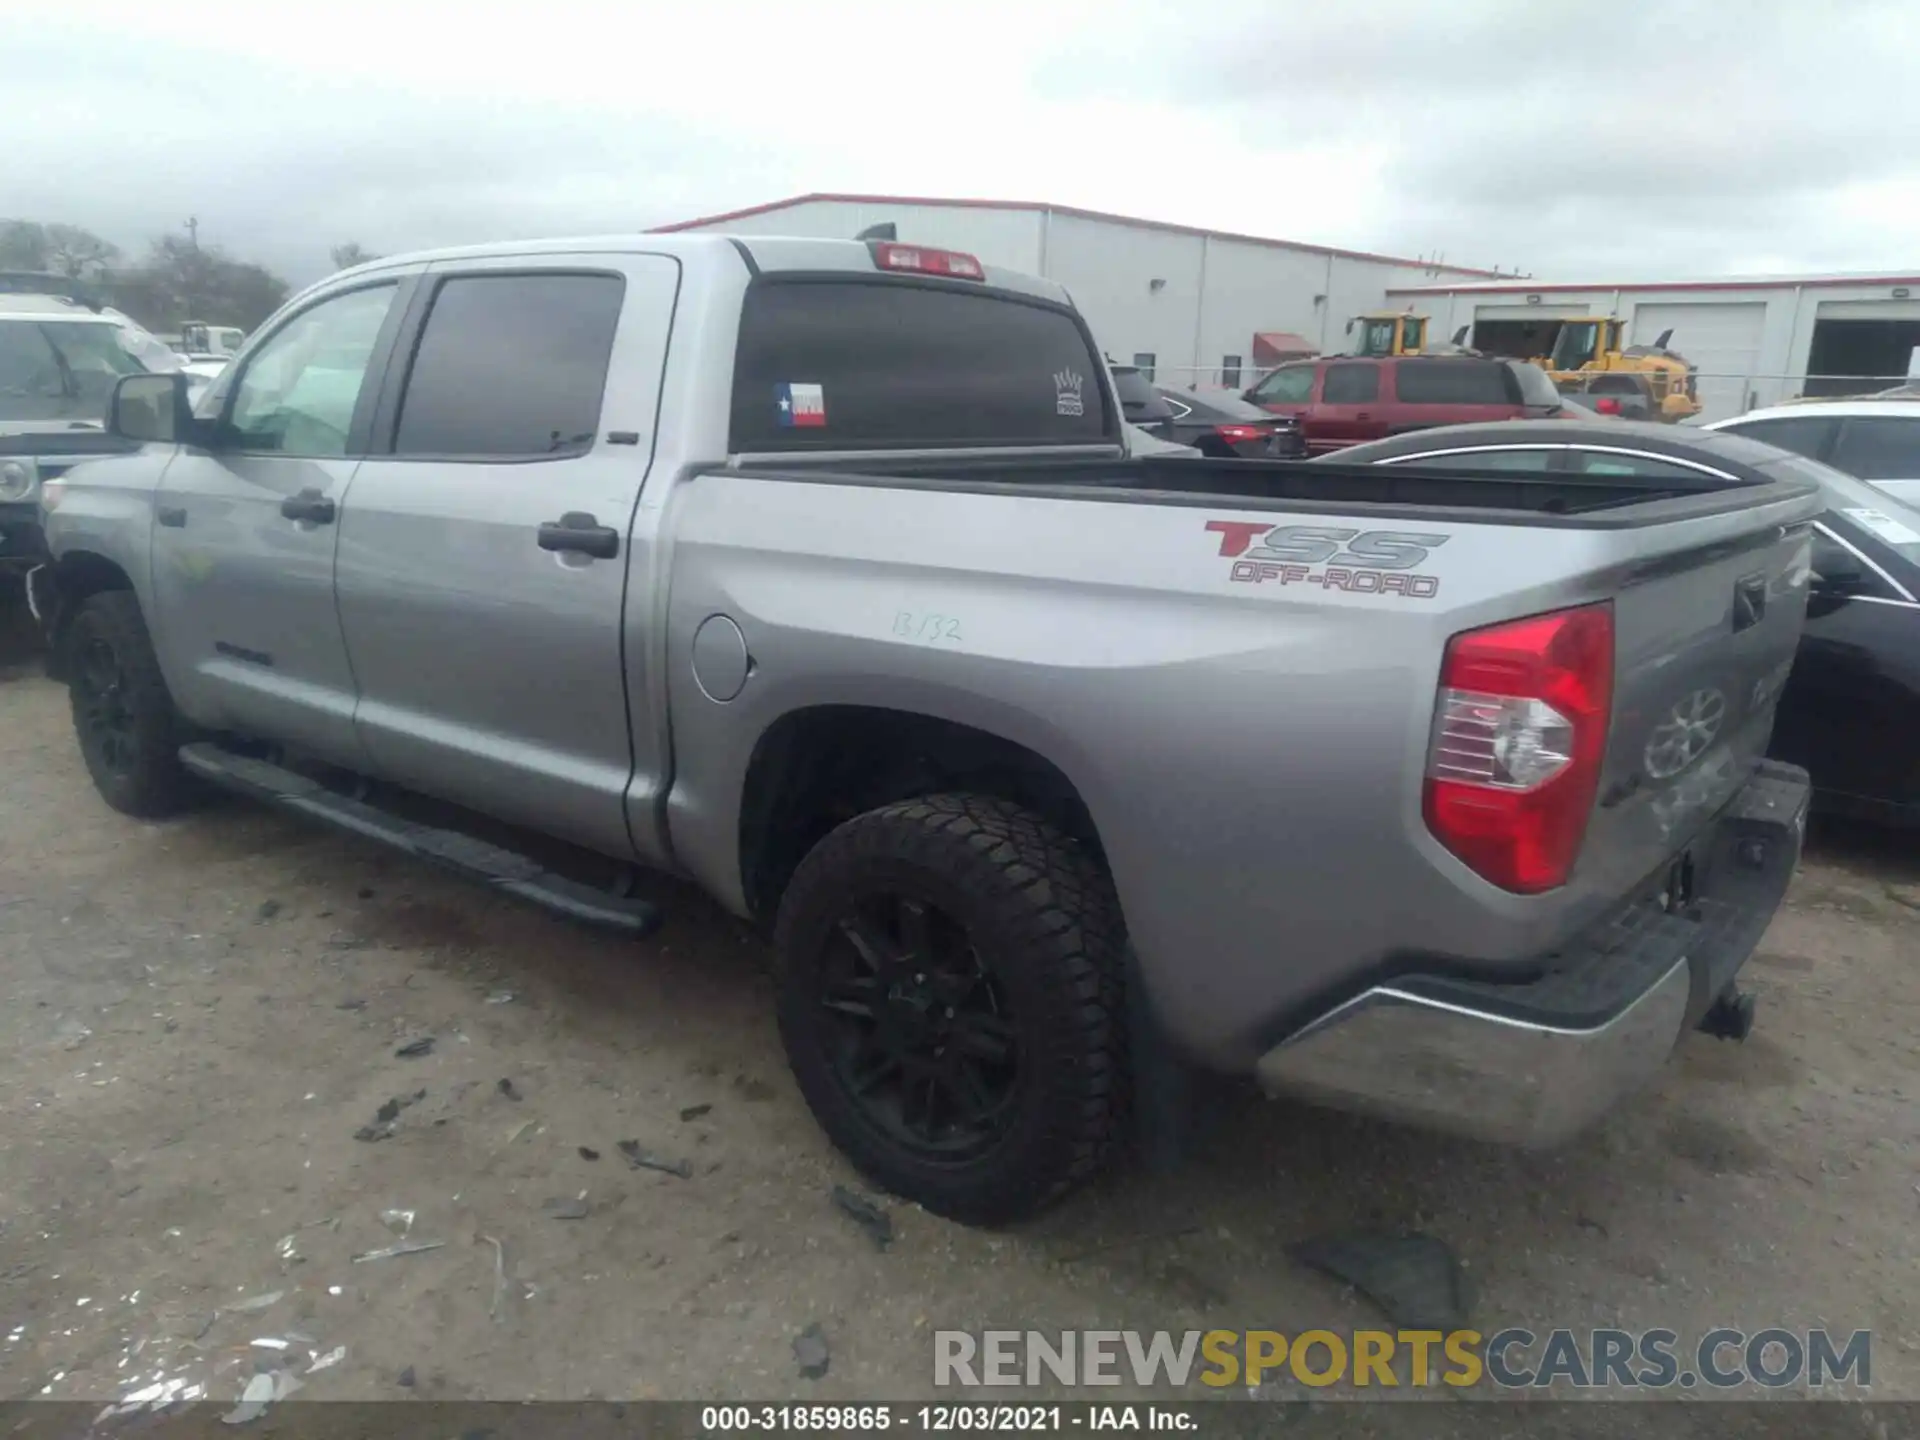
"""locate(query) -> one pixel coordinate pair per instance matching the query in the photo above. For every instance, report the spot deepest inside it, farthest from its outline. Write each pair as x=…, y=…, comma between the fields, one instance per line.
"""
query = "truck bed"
x=1508, y=496
x=1266, y=721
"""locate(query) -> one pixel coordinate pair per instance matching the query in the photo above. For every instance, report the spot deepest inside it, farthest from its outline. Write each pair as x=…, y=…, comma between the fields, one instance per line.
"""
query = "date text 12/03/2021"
x=949, y=1419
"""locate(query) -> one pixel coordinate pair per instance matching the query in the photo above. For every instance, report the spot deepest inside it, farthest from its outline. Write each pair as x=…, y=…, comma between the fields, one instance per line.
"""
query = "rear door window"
x=1808, y=435
x=1878, y=447
x=1605, y=462
x=1536, y=386
x=1454, y=382
x=1509, y=458
x=32, y=384
x=1224, y=405
x=1351, y=384
x=510, y=366
x=1138, y=399
x=850, y=365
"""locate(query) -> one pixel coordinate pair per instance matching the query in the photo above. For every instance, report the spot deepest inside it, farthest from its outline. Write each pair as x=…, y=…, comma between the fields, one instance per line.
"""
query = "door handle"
x=581, y=533
x=310, y=505
x=174, y=517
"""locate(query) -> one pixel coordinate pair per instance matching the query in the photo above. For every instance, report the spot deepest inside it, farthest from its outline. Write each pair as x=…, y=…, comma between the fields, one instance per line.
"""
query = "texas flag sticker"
x=801, y=404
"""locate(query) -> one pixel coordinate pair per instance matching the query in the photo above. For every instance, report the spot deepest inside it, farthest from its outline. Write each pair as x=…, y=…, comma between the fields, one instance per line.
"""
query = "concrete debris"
x=810, y=1353
x=641, y=1159
x=866, y=1214
x=411, y=1247
x=1416, y=1279
x=253, y=1401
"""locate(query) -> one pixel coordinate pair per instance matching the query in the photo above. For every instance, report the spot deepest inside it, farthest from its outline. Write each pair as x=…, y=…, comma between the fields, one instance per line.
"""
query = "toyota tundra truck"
x=822, y=575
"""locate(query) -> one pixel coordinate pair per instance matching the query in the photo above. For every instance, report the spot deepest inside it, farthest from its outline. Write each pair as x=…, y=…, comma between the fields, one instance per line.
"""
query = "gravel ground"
x=201, y=1015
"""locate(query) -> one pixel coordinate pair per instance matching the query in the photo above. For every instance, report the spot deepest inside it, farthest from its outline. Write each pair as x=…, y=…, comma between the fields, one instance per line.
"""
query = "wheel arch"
x=821, y=764
x=78, y=575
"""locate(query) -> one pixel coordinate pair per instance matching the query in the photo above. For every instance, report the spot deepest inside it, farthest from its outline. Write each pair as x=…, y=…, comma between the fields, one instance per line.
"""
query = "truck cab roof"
x=761, y=253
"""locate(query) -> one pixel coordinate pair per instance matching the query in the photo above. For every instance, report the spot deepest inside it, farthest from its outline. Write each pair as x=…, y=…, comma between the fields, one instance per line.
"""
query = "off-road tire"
x=146, y=778
x=1041, y=916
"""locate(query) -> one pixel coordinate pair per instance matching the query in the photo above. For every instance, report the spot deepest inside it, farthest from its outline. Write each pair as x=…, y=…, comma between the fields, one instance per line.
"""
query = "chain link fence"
x=1722, y=393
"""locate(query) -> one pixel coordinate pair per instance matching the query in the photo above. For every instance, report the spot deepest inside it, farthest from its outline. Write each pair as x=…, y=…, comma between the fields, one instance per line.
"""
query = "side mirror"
x=150, y=408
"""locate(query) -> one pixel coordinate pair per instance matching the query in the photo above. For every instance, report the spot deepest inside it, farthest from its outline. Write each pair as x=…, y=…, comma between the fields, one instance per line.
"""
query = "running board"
x=500, y=869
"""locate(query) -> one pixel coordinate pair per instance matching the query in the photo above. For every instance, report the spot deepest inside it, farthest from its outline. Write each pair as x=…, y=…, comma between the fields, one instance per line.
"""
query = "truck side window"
x=510, y=366
x=1808, y=435
x=1452, y=382
x=1878, y=447
x=31, y=385
x=1289, y=385
x=298, y=392
x=1355, y=383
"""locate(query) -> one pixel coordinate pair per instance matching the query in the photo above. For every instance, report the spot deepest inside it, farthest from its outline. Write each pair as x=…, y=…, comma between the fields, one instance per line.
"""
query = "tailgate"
x=1704, y=641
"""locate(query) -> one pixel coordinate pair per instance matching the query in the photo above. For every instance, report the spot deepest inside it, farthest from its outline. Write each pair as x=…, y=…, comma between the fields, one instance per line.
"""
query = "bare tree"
x=352, y=253
x=77, y=253
x=182, y=279
x=23, y=245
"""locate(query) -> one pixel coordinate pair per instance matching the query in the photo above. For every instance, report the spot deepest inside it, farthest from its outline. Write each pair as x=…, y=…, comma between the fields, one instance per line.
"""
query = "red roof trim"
x=1074, y=210
x=1819, y=282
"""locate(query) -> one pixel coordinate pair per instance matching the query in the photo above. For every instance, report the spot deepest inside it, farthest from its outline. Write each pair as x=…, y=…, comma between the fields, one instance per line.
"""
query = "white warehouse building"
x=1195, y=306
x=1205, y=307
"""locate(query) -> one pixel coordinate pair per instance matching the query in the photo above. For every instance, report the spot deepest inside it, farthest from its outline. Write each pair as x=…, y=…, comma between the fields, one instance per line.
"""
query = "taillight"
x=1606, y=405
x=919, y=260
x=1235, y=434
x=1519, y=734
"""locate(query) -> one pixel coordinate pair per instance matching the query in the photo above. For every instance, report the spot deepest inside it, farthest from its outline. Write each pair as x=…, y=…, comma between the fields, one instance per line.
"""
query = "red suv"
x=1342, y=400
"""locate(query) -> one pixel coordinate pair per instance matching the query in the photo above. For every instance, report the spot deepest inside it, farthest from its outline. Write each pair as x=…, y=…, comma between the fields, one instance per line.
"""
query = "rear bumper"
x=1534, y=1063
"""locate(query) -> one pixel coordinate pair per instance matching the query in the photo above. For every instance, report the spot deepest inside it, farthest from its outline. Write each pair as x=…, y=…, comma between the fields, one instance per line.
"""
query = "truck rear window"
x=852, y=365
x=1455, y=382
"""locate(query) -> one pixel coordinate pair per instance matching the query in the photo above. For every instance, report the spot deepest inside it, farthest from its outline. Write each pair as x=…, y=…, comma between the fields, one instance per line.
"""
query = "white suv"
x=1875, y=439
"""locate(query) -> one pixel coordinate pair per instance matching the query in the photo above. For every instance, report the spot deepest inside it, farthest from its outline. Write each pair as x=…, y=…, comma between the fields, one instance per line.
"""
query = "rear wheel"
x=950, y=1003
x=129, y=732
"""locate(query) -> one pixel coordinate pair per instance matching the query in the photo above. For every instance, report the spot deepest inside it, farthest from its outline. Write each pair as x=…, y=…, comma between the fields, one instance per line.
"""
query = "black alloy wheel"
x=919, y=1033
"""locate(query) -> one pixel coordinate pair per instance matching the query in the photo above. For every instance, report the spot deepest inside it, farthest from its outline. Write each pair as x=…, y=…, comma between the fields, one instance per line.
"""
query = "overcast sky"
x=1640, y=140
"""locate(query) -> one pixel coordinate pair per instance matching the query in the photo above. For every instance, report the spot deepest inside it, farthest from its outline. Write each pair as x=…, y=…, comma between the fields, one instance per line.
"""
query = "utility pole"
x=191, y=270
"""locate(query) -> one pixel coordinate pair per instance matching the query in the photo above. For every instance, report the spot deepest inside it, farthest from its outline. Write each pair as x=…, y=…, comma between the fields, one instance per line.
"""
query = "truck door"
x=245, y=528
x=484, y=557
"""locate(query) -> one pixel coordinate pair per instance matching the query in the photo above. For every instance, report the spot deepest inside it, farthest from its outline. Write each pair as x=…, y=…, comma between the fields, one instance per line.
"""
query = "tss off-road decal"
x=1334, y=557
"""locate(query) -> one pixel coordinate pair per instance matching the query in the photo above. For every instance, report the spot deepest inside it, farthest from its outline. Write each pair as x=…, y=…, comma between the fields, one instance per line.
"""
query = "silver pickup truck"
x=820, y=573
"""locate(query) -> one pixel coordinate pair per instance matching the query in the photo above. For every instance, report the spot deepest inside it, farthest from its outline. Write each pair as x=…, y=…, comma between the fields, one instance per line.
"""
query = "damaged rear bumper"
x=1531, y=1064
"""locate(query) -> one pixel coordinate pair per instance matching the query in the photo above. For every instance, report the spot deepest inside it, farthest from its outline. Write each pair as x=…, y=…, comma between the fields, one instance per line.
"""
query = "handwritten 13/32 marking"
x=927, y=629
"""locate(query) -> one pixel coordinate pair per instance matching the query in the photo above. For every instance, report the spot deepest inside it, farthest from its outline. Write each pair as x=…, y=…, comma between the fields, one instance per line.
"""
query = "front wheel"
x=950, y=1001
x=123, y=716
